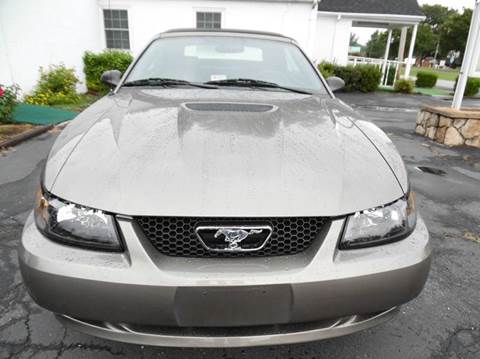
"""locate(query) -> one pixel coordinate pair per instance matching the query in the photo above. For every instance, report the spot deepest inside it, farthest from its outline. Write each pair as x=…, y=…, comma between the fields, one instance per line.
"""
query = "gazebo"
x=339, y=16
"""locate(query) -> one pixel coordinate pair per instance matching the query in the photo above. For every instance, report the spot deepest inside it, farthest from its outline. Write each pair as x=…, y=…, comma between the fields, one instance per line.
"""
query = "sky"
x=365, y=33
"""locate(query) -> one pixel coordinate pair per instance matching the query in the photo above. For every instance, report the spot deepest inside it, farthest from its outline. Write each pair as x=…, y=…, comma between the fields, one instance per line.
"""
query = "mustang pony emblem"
x=234, y=236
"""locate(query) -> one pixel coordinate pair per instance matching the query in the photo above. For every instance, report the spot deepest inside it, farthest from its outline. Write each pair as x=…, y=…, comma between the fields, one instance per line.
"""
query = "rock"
x=433, y=120
x=471, y=128
x=431, y=132
x=474, y=142
x=445, y=122
x=440, y=134
x=453, y=137
x=421, y=117
x=459, y=123
x=420, y=130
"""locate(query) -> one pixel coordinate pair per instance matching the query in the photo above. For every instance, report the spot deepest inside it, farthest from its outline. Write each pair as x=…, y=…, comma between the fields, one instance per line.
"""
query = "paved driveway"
x=442, y=323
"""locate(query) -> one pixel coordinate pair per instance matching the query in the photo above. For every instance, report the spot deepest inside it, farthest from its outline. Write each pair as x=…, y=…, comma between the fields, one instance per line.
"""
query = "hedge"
x=56, y=86
x=363, y=78
x=426, y=79
x=8, y=101
x=473, y=86
x=96, y=64
x=404, y=86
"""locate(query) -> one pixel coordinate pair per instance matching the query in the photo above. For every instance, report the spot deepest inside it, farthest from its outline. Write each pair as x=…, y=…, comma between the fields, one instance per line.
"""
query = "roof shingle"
x=389, y=7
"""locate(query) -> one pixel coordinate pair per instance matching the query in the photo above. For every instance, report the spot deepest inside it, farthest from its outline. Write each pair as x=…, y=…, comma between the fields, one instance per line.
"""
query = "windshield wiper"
x=166, y=82
x=255, y=83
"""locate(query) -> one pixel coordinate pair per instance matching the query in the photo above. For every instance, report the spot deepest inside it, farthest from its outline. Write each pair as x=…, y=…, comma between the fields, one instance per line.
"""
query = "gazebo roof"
x=388, y=7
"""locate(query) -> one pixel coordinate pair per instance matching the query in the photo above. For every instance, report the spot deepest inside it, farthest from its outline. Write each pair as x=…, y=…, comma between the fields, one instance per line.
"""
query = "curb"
x=25, y=136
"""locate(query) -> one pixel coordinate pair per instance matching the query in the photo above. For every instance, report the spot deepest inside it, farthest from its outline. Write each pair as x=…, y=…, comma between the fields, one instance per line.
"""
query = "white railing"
x=381, y=63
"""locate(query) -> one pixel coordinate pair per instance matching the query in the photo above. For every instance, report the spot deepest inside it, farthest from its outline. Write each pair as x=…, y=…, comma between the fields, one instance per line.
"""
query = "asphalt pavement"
x=443, y=322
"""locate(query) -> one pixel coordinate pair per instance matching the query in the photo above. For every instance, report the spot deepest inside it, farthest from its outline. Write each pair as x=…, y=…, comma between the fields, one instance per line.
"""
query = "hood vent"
x=228, y=107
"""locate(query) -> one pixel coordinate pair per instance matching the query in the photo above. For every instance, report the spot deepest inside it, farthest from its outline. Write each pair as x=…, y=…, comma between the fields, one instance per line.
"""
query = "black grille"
x=175, y=236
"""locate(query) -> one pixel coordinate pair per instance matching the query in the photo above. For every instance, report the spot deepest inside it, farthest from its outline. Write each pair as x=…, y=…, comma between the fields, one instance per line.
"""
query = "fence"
x=385, y=66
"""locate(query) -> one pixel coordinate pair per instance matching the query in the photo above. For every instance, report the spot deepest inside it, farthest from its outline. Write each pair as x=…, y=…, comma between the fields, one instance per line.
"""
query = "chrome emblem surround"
x=234, y=236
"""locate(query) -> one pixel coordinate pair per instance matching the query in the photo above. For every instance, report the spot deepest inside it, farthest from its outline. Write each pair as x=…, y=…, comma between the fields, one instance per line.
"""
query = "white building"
x=36, y=33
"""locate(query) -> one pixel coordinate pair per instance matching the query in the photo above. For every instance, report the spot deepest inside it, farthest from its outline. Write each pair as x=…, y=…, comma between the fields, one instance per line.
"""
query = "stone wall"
x=449, y=126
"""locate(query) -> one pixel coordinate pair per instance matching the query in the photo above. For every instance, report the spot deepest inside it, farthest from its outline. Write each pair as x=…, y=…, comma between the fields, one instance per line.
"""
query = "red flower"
x=2, y=91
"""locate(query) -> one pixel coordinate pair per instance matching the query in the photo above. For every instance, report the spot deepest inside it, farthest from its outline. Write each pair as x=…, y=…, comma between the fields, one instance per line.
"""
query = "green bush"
x=404, y=86
x=363, y=78
x=473, y=86
x=8, y=100
x=96, y=64
x=426, y=79
x=56, y=86
x=326, y=69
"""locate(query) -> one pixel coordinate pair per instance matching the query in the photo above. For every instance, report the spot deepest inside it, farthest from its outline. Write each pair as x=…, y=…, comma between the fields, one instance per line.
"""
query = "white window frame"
x=209, y=9
x=113, y=5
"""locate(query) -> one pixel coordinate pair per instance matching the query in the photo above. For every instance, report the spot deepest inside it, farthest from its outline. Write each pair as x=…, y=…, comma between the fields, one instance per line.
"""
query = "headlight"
x=76, y=225
x=380, y=225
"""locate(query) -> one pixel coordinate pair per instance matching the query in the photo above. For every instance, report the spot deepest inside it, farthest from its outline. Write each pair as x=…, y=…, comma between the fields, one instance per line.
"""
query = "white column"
x=403, y=41
x=387, y=51
x=472, y=42
x=410, y=52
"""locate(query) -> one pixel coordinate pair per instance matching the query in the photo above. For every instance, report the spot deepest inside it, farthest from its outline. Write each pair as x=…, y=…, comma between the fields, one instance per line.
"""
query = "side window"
x=116, y=29
x=209, y=20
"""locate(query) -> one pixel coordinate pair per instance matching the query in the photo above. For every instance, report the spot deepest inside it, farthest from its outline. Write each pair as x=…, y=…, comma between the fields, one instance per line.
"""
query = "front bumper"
x=108, y=294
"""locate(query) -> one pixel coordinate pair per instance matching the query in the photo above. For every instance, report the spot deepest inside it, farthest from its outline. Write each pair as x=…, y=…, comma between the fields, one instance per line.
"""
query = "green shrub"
x=326, y=69
x=426, y=79
x=8, y=100
x=473, y=86
x=363, y=78
x=404, y=86
x=57, y=85
x=96, y=64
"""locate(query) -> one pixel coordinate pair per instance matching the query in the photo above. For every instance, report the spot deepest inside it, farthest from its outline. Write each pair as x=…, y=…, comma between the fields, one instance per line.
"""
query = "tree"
x=436, y=15
x=454, y=32
x=378, y=42
x=354, y=39
x=426, y=42
x=429, y=34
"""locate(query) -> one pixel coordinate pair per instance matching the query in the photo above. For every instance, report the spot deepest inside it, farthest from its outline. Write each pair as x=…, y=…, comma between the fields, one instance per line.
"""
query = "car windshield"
x=224, y=59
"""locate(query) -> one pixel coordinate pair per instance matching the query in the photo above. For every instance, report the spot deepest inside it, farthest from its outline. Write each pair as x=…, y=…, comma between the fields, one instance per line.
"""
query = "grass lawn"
x=432, y=91
x=443, y=74
x=85, y=101
x=422, y=91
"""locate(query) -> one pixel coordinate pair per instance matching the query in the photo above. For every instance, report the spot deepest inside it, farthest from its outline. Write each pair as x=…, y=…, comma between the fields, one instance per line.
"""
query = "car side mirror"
x=111, y=78
x=335, y=83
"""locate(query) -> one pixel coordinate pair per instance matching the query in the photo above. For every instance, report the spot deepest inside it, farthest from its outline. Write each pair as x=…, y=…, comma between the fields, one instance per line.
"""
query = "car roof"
x=249, y=33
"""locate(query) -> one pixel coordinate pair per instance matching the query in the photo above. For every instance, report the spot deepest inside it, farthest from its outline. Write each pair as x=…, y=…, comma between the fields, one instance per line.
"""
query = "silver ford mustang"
x=221, y=196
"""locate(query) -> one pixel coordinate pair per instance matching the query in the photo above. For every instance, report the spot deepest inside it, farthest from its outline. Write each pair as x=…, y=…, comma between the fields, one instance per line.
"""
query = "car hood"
x=175, y=152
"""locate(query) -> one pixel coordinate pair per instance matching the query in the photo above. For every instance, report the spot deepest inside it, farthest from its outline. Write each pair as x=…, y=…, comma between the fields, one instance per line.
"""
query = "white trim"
x=397, y=19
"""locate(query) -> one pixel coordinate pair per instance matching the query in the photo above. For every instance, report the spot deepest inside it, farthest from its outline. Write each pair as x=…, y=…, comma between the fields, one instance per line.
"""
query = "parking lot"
x=443, y=322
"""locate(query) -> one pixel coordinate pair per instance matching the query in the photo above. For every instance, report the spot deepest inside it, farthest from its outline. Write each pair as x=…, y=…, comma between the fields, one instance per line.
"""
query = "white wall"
x=332, y=39
x=149, y=17
x=42, y=32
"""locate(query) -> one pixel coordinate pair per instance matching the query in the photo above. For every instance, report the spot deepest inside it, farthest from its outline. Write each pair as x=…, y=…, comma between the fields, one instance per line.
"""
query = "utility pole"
x=472, y=42
x=436, y=52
